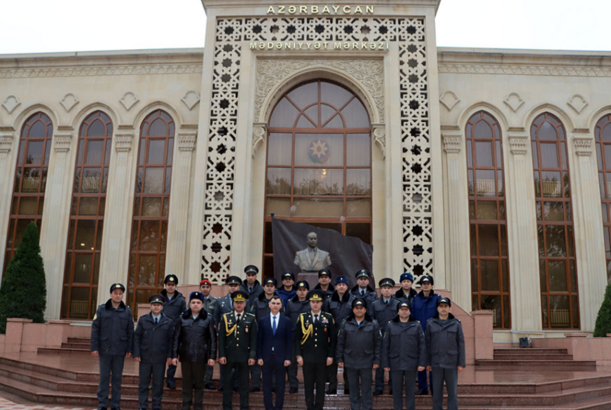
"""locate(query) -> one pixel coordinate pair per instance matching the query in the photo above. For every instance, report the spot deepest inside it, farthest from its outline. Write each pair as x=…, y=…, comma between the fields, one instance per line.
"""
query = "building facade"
x=484, y=168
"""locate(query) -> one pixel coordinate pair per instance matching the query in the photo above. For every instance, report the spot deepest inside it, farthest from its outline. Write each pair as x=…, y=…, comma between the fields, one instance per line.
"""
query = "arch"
x=562, y=116
x=323, y=73
x=31, y=110
x=91, y=108
x=157, y=105
x=596, y=116
x=493, y=110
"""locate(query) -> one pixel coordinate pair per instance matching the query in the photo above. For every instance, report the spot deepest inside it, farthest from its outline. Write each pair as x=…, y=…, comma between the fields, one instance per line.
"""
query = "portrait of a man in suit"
x=312, y=259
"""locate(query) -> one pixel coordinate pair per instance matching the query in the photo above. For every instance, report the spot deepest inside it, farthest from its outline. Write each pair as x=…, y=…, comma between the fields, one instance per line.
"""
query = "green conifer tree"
x=603, y=321
x=23, y=293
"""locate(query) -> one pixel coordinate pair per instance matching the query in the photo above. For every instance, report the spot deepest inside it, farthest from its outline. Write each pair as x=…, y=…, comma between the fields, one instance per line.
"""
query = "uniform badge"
x=246, y=329
x=325, y=329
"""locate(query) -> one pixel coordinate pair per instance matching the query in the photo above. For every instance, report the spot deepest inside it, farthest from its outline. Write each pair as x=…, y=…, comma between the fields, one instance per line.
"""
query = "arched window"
x=151, y=207
x=319, y=162
x=557, y=267
x=30, y=179
x=79, y=299
x=487, y=218
x=603, y=152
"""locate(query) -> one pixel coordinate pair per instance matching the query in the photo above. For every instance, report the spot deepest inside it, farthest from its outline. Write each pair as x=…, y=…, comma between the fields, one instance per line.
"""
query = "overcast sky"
x=33, y=26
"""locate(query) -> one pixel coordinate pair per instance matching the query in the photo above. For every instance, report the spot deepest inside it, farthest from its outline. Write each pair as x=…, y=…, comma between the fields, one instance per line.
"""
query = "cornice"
x=106, y=70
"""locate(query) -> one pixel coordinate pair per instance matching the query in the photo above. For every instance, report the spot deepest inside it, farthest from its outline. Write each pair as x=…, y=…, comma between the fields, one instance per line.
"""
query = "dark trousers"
x=171, y=375
x=292, y=373
x=273, y=368
x=332, y=377
x=208, y=377
x=255, y=375
x=380, y=379
x=222, y=368
x=110, y=363
x=422, y=380
x=193, y=384
x=410, y=388
x=450, y=376
x=146, y=370
x=361, y=396
x=314, y=375
x=231, y=371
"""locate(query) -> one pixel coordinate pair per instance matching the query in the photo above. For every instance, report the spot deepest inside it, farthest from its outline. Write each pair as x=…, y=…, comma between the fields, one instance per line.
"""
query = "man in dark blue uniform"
x=324, y=282
x=251, y=285
x=153, y=349
x=363, y=289
x=173, y=307
x=384, y=310
x=112, y=337
x=406, y=293
x=287, y=290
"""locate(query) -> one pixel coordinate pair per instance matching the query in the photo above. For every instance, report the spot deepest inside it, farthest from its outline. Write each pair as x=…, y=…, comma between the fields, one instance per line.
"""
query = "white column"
x=589, y=239
x=6, y=182
x=178, y=219
x=116, y=238
x=458, y=268
x=55, y=219
x=525, y=289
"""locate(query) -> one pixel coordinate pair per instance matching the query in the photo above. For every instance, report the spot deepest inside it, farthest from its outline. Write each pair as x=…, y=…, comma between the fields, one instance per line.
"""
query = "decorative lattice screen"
x=416, y=147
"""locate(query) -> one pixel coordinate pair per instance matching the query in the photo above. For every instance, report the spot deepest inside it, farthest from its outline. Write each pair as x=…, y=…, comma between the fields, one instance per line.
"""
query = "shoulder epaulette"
x=249, y=314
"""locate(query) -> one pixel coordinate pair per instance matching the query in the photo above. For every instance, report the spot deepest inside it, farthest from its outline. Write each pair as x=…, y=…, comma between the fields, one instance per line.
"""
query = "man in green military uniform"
x=237, y=348
x=315, y=342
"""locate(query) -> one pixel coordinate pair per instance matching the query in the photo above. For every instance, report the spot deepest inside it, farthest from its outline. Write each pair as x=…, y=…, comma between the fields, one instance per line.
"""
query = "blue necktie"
x=274, y=326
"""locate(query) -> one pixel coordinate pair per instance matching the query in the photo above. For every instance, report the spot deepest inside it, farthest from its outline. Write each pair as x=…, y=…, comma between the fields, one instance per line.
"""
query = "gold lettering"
x=346, y=45
x=365, y=46
x=287, y=45
x=270, y=46
x=308, y=44
x=279, y=46
x=358, y=10
x=326, y=44
x=300, y=45
x=292, y=9
x=314, y=9
x=355, y=46
x=369, y=9
x=372, y=46
x=347, y=9
x=271, y=10
x=253, y=46
x=262, y=45
x=325, y=10
x=335, y=9
x=281, y=9
x=388, y=46
x=337, y=45
x=381, y=46
x=303, y=9
x=317, y=45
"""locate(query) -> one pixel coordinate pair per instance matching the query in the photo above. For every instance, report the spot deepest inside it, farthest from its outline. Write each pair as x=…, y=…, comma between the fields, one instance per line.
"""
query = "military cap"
x=157, y=299
x=363, y=273
x=171, y=279
x=386, y=282
x=316, y=295
x=444, y=300
x=288, y=275
x=239, y=296
x=273, y=281
x=303, y=284
x=359, y=302
x=404, y=304
x=407, y=276
x=426, y=278
x=205, y=282
x=251, y=269
x=117, y=286
x=233, y=280
x=323, y=272
x=196, y=295
x=341, y=279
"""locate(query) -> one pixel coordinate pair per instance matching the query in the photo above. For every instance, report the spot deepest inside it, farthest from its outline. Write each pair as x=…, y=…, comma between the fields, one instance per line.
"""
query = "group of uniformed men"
x=270, y=331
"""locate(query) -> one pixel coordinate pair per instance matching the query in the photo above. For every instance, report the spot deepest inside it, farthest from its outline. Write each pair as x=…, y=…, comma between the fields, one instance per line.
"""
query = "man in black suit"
x=274, y=345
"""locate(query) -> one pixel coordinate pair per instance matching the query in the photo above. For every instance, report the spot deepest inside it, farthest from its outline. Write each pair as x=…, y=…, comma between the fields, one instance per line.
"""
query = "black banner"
x=347, y=254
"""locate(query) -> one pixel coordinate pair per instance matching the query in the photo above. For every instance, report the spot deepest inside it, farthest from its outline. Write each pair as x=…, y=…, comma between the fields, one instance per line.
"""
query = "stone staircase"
x=64, y=377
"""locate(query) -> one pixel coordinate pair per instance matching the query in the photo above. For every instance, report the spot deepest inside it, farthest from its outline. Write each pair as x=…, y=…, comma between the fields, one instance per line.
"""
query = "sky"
x=38, y=26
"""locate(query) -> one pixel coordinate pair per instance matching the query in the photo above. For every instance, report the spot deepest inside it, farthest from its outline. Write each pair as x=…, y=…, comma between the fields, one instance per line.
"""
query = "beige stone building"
x=484, y=168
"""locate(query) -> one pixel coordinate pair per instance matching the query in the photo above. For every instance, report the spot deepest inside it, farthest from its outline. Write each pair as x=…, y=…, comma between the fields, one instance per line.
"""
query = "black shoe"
x=273, y=390
x=142, y=408
x=346, y=391
x=220, y=388
x=390, y=392
x=331, y=391
x=293, y=390
x=236, y=389
x=101, y=408
x=171, y=386
x=254, y=389
x=378, y=392
x=422, y=392
x=210, y=386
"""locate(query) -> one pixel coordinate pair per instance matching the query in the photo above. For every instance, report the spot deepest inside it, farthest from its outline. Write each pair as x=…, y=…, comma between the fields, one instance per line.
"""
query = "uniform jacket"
x=224, y=305
x=286, y=295
x=112, y=330
x=175, y=307
x=403, y=346
x=153, y=343
x=359, y=347
x=238, y=342
x=257, y=289
x=315, y=342
x=370, y=296
x=445, y=343
x=400, y=295
x=384, y=312
x=295, y=307
x=281, y=342
x=424, y=308
x=260, y=307
x=194, y=339
x=210, y=305
x=329, y=290
x=339, y=308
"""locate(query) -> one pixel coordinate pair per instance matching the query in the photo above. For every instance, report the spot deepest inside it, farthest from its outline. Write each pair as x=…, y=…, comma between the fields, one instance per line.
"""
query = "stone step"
x=528, y=351
x=519, y=356
x=76, y=346
x=58, y=350
x=539, y=363
x=85, y=340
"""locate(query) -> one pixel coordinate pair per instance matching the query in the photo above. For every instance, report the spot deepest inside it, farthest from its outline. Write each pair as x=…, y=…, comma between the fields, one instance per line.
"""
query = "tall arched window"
x=151, y=207
x=30, y=179
x=487, y=218
x=319, y=162
x=557, y=267
x=79, y=299
x=603, y=152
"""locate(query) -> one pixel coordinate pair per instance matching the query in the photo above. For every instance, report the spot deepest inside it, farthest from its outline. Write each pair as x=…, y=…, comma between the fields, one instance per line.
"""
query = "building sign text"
x=324, y=10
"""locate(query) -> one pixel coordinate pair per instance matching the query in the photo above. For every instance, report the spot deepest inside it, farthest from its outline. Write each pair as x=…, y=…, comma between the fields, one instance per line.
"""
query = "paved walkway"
x=6, y=404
